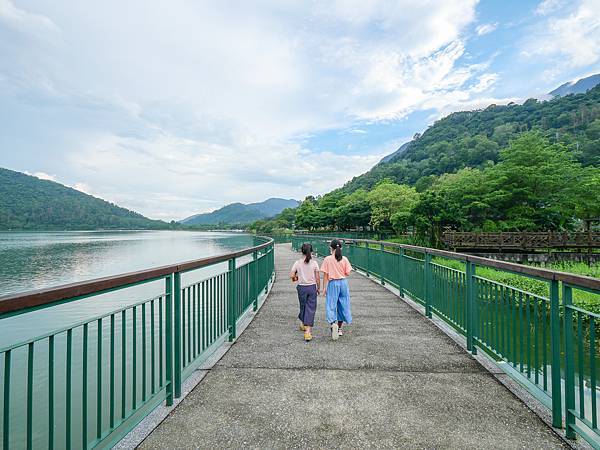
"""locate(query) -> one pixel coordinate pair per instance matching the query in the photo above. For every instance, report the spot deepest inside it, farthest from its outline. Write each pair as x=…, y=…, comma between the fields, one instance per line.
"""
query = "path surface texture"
x=393, y=380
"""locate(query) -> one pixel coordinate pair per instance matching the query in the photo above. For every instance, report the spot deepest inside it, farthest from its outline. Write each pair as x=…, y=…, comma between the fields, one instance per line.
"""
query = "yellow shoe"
x=307, y=336
x=302, y=327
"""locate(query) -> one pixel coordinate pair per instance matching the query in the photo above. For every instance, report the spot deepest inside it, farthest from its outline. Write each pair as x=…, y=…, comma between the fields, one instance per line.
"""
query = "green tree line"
x=535, y=185
x=529, y=167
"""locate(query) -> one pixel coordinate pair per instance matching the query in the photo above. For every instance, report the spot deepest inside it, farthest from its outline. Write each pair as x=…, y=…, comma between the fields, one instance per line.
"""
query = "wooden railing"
x=521, y=240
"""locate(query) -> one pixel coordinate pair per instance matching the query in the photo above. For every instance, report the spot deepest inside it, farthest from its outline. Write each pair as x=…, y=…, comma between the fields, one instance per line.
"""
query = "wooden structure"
x=520, y=241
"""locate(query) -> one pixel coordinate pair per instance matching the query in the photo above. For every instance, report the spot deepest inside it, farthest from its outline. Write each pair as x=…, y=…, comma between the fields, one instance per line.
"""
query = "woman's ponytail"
x=307, y=252
x=337, y=247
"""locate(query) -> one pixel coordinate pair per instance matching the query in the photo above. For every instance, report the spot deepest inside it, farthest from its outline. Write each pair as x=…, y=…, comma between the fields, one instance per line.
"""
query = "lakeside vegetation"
x=529, y=167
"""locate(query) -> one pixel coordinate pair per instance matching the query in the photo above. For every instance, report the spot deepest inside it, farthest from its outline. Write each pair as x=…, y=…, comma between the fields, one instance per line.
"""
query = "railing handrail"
x=13, y=303
x=570, y=278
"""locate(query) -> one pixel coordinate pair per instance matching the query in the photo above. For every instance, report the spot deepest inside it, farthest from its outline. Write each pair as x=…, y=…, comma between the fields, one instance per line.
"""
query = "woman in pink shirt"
x=336, y=268
x=306, y=272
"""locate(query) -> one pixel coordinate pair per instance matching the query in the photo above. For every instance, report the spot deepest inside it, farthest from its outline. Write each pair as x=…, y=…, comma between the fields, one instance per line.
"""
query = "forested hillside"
x=529, y=167
x=475, y=138
x=28, y=203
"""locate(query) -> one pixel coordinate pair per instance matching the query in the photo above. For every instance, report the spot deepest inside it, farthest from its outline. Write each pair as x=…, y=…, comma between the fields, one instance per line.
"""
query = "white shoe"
x=335, y=331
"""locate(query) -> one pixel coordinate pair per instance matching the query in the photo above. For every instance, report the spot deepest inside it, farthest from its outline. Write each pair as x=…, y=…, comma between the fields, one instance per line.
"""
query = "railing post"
x=555, y=348
x=471, y=306
x=231, y=300
x=367, y=264
x=254, y=279
x=427, y=290
x=400, y=272
x=569, y=361
x=169, y=338
x=177, y=335
x=381, y=265
x=272, y=265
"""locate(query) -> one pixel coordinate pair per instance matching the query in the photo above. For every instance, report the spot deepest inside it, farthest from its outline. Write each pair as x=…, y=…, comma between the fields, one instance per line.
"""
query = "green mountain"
x=28, y=203
x=528, y=167
x=475, y=138
x=240, y=213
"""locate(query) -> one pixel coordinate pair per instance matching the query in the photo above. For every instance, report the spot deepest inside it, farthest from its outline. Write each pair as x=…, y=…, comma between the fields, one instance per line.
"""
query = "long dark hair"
x=307, y=252
x=337, y=246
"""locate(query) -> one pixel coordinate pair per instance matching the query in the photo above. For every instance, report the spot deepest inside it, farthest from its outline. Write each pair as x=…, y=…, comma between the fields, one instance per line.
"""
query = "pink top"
x=307, y=273
x=336, y=270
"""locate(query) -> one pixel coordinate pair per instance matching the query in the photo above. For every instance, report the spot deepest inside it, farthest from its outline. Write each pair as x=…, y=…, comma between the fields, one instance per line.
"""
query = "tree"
x=535, y=177
x=470, y=191
x=306, y=215
x=389, y=199
x=431, y=214
x=325, y=215
x=354, y=211
x=587, y=193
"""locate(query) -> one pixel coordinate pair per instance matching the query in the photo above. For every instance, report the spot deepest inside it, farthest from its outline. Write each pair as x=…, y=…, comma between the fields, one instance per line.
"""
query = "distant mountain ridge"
x=29, y=203
x=580, y=86
x=240, y=213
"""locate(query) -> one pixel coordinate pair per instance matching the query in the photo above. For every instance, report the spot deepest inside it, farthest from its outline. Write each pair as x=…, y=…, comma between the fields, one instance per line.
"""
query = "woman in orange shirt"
x=336, y=268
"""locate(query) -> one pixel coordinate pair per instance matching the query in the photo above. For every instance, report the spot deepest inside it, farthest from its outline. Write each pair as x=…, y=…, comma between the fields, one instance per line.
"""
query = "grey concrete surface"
x=393, y=380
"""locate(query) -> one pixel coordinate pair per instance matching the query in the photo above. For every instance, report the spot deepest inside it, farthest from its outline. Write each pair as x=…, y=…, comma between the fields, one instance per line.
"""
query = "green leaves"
x=389, y=200
x=525, y=167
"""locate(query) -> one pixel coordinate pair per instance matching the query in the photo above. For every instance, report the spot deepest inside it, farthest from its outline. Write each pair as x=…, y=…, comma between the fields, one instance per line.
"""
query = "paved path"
x=393, y=380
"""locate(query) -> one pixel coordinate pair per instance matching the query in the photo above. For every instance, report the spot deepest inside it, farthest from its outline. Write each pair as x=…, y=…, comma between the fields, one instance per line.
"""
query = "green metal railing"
x=349, y=234
x=547, y=342
x=281, y=238
x=88, y=384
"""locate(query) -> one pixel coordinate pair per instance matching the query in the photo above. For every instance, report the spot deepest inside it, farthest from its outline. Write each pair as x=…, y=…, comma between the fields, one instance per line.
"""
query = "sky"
x=171, y=108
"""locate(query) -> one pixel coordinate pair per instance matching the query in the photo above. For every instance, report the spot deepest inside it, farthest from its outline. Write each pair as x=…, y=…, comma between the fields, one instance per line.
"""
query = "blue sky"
x=173, y=108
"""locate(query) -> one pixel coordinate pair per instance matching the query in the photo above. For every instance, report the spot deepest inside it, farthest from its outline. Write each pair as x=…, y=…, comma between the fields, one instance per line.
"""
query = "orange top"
x=335, y=269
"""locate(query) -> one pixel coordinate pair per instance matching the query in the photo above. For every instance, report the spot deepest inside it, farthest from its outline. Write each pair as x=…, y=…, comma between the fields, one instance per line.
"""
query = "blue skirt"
x=338, y=301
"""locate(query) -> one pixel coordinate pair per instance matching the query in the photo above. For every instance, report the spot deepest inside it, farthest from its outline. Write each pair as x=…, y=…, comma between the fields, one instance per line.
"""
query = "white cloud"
x=174, y=178
x=80, y=186
x=572, y=39
x=21, y=19
x=176, y=108
x=44, y=176
x=486, y=28
x=548, y=6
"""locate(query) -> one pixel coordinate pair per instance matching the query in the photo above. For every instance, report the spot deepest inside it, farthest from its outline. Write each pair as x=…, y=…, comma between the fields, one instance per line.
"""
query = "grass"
x=583, y=299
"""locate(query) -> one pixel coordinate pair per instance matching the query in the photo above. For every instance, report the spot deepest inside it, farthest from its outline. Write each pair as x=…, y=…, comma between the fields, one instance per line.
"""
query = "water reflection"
x=37, y=260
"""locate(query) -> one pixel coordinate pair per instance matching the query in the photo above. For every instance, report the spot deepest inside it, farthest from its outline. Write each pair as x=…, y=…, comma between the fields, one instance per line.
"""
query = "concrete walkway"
x=393, y=380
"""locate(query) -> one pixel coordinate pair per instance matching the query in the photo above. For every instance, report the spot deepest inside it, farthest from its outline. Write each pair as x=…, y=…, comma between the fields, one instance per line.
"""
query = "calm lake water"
x=38, y=260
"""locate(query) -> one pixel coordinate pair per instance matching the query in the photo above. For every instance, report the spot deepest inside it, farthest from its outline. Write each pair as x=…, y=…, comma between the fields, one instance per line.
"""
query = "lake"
x=35, y=260
x=40, y=260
